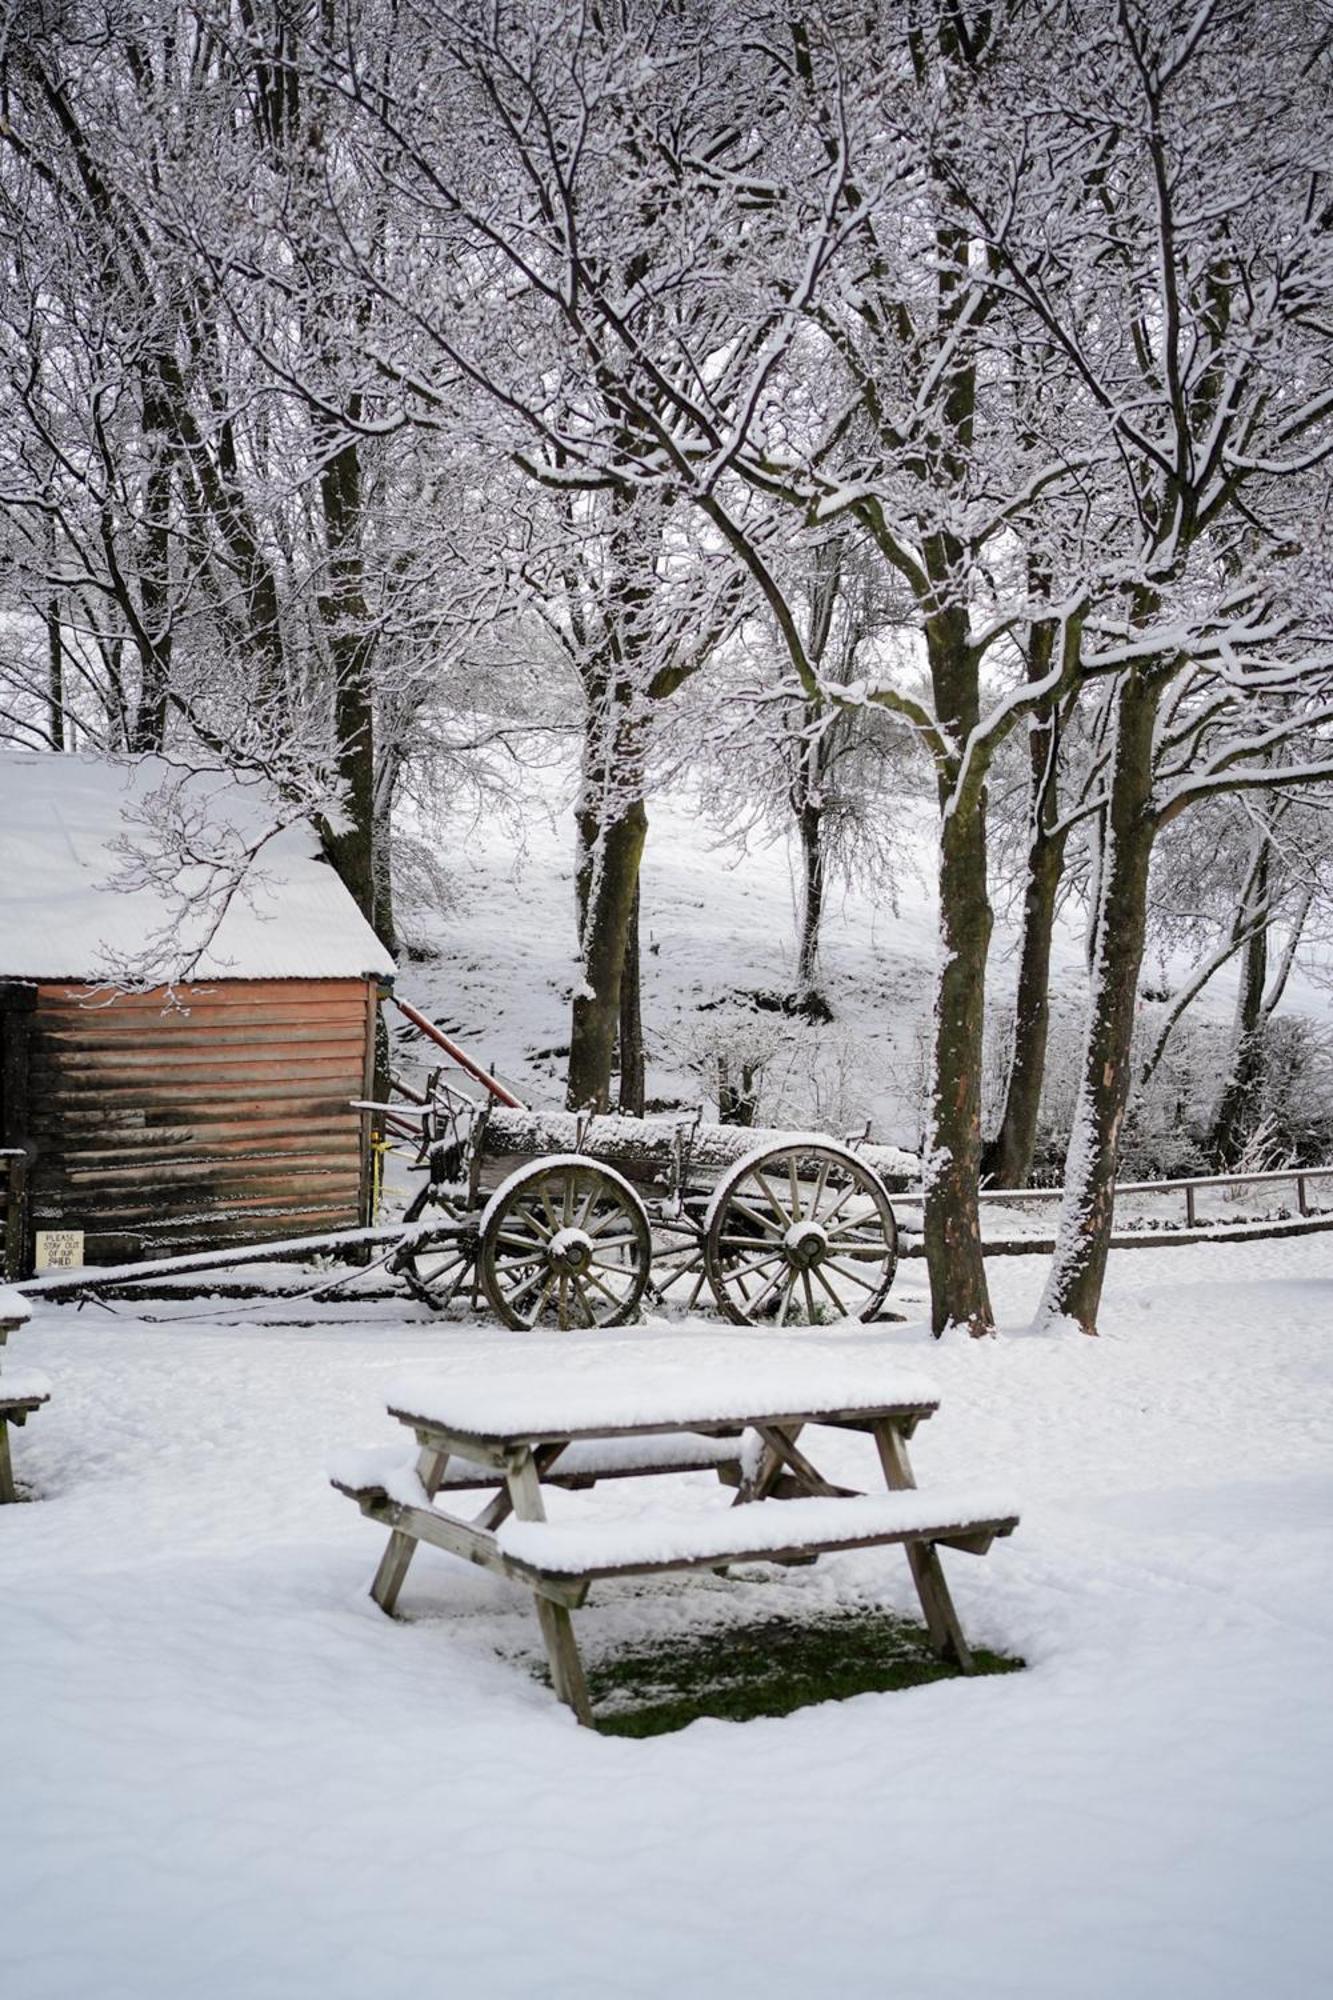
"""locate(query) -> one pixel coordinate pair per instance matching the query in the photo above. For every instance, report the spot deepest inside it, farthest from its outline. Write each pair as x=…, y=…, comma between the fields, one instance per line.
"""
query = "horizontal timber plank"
x=241, y=1221
x=231, y=1167
x=207, y=1055
x=65, y=1046
x=256, y=992
x=151, y=1087
x=139, y=1152
x=209, y=1232
x=489, y=1447
x=72, y=1209
x=225, y=1105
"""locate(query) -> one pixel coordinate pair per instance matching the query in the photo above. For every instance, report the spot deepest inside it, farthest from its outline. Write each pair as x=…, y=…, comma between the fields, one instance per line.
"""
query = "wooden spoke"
x=822, y=1274
x=855, y=1276
x=544, y=1196
x=750, y=1213
x=435, y=1271
x=520, y=1292
x=772, y=1199
x=739, y=1271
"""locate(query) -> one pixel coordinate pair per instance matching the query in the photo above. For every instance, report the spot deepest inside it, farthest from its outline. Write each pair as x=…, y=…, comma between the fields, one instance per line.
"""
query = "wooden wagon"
x=574, y=1220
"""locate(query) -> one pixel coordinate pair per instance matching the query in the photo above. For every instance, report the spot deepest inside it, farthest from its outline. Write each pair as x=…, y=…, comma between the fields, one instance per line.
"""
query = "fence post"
x=1301, y=1202
x=18, y=1001
x=16, y=1218
x=1189, y=1207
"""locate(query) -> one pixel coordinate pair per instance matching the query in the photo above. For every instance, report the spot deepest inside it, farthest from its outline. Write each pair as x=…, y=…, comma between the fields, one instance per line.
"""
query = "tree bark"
x=342, y=605
x=1006, y=1161
x=609, y=854
x=632, y=1078
x=810, y=824
x=55, y=677
x=959, y=1294
x=1074, y=1286
x=1234, y=1118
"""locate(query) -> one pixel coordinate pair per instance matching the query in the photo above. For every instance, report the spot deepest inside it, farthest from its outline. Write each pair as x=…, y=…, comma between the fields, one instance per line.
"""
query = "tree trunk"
x=737, y=1103
x=1074, y=1287
x=346, y=623
x=609, y=854
x=632, y=1081
x=959, y=1295
x=1007, y=1159
x=810, y=823
x=55, y=677
x=386, y=927
x=1234, y=1118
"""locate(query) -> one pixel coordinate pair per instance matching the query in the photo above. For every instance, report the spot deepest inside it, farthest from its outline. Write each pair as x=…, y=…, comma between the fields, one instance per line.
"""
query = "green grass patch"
x=769, y=1667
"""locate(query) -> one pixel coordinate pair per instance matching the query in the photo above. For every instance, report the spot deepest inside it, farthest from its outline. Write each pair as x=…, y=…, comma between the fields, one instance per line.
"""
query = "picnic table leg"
x=397, y=1558
x=770, y=1465
x=7, y=1488
x=557, y=1626
x=923, y=1557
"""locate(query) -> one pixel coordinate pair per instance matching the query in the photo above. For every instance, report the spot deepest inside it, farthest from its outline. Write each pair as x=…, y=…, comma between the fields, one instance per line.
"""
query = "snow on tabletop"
x=24, y=1385
x=683, y=1375
x=75, y=899
x=572, y=1547
x=13, y=1307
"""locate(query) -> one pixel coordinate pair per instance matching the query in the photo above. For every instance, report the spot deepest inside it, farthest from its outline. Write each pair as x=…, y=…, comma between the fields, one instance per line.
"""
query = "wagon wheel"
x=565, y=1243
x=799, y=1234
x=437, y=1266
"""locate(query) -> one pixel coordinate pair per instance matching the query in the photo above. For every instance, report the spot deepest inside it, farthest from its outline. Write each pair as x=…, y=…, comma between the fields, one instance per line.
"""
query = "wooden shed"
x=186, y=1115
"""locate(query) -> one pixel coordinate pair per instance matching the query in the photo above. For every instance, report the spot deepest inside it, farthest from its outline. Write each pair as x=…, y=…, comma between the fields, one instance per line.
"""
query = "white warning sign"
x=59, y=1249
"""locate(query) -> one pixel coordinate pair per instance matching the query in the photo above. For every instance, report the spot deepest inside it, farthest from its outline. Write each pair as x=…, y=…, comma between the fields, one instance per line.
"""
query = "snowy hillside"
x=718, y=927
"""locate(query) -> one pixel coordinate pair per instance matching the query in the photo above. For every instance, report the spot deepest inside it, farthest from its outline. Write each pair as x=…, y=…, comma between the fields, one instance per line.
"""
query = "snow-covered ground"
x=226, y=1775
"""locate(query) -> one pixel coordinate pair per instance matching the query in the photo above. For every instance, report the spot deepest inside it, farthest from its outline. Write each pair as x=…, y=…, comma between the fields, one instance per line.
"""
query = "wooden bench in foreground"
x=21, y=1391
x=630, y=1416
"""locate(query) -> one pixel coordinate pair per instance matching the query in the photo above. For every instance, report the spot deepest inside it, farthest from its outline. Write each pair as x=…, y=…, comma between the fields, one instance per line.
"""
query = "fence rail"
x=1299, y=1178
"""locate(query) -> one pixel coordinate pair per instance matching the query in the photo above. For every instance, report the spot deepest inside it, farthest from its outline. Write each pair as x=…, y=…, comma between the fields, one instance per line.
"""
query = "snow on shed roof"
x=95, y=880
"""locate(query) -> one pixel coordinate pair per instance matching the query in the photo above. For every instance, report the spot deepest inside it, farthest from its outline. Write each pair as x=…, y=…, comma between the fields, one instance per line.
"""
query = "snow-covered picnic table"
x=571, y=1413
x=21, y=1390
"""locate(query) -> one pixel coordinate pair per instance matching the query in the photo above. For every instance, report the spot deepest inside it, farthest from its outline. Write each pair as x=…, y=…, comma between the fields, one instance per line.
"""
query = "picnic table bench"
x=646, y=1407
x=21, y=1390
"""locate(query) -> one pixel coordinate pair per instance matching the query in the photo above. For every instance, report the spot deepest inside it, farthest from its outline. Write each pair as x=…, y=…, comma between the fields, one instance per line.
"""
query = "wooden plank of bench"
x=730, y=1537
x=462, y=1538
x=16, y=1408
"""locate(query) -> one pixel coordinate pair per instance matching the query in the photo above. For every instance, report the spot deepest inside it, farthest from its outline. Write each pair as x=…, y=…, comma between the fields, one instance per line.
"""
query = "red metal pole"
x=457, y=1055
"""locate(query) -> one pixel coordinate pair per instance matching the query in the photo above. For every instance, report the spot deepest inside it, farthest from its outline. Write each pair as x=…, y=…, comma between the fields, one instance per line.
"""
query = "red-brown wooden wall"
x=220, y=1119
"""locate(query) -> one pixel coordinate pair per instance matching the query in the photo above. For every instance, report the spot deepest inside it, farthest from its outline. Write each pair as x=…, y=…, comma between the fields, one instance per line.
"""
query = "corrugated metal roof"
x=140, y=866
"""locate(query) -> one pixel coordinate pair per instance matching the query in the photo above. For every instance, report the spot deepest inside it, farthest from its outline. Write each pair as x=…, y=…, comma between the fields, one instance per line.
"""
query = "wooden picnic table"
x=739, y=1405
